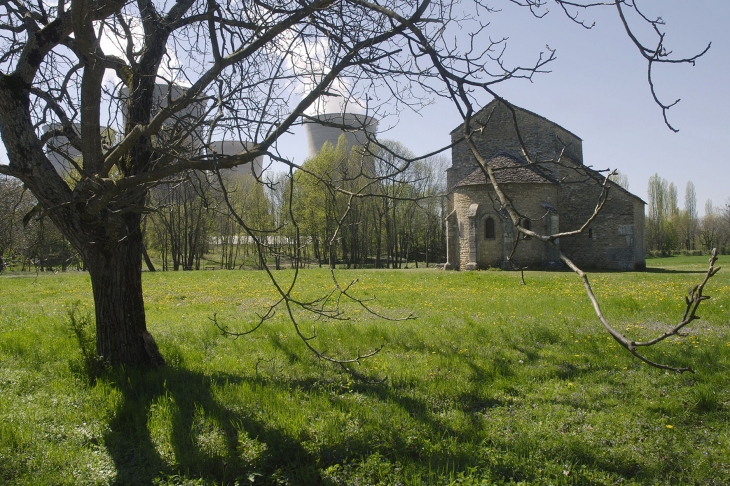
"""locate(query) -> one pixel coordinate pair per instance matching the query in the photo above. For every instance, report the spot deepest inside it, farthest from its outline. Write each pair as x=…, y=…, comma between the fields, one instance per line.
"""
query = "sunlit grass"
x=494, y=382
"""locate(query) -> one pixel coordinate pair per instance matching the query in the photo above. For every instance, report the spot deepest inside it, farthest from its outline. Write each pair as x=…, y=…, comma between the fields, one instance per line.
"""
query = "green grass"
x=494, y=383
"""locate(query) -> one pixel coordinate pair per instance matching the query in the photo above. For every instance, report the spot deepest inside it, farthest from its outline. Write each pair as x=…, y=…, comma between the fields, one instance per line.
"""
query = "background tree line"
x=28, y=240
x=367, y=209
x=671, y=229
x=371, y=221
x=375, y=210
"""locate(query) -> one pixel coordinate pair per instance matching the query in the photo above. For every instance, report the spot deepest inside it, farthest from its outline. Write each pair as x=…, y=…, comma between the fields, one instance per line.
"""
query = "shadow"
x=284, y=348
x=672, y=271
x=177, y=426
x=208, y=441
x=591, y=270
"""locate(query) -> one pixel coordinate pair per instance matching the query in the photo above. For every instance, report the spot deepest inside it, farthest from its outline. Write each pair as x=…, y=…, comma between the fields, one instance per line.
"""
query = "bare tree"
x=193, y=71
x=11, y=213
x=185, y=74
x=714, y=230
x=182, y=218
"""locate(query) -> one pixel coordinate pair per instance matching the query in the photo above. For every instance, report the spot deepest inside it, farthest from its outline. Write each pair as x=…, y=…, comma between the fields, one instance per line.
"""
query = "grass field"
x=493, y=383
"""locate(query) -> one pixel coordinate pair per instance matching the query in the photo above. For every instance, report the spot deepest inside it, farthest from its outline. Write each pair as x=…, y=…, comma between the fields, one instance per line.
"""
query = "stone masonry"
x=558, y=194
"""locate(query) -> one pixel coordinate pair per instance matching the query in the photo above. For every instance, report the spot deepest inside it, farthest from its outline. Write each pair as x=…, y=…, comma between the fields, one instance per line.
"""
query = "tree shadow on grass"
x=672, y=271
x=173, y=425
x=198, y=437
x=590, y=270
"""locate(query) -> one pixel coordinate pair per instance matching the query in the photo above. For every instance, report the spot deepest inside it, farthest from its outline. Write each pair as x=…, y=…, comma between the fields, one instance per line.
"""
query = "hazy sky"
x=598, y=90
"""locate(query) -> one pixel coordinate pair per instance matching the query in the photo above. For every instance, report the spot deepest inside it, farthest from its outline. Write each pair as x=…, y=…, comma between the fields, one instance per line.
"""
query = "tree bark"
x=116, y=279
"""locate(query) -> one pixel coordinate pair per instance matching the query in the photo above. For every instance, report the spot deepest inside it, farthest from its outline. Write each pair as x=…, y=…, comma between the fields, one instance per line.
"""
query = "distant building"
x=162, y=95
x=358, y=130
x=192, y=114
x=59, y=149
x=553, y=198
x=188, y=122
x=230, y=147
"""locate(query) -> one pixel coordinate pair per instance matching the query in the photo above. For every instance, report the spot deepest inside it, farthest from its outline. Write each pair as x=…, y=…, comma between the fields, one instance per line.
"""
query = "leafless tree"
x=182, y=218
x=11, y=207
x=184, y=73
x=195, y=71
x=714, y=230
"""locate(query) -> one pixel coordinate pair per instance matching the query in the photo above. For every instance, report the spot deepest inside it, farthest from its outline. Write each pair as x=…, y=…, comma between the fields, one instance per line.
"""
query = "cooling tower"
x=190, y=116
x=61, y=144
x=230, y=147
x=58, y=146
x=160, y=96
x=357, y=130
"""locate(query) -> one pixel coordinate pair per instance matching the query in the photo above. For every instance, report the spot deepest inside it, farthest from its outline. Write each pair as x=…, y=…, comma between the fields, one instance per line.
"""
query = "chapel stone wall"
x=615, y=239
x=470, y=223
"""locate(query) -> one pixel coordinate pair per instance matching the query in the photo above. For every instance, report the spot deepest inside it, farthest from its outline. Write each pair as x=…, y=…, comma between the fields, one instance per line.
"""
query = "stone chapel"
x=557, y=195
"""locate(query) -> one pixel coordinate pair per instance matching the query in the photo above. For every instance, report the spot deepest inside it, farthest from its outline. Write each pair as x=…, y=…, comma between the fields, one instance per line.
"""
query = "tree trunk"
x=317, y=254
x=378, y=240
x=147, y=260
x=116, y=279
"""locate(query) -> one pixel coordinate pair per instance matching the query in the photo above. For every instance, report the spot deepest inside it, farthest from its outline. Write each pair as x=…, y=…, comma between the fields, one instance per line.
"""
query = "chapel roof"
x=508, y=169
x=496, y=102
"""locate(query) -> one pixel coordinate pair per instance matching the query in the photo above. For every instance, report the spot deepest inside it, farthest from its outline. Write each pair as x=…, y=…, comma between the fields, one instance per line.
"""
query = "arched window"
x=526, y=225
x=489, y=229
